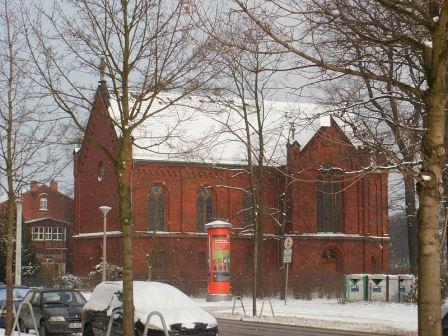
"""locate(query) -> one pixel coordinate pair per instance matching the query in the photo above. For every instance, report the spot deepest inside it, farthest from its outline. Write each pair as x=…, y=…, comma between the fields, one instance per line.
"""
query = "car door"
x=117, y=323
x=99, y=322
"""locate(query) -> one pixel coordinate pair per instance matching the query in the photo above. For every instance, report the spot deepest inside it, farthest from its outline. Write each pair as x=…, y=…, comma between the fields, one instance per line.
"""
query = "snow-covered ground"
x=2, y=333
x=394, y=318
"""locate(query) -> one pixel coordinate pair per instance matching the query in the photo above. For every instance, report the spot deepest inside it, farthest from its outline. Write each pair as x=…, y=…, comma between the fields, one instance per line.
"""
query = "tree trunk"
x=127, y=233
x=411, y=221
x=430, y=191
x=258, y=205
x=9, y=259
x=445, y=182
x=260, y=219
x=10, y=179
x=255, y=273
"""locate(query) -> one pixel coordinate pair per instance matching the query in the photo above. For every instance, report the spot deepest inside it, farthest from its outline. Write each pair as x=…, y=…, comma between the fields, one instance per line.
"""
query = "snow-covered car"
x=182, y=315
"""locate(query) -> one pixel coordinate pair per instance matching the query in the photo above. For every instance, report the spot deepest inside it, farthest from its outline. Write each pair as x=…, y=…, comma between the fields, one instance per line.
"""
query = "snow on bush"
x=113, y=272
x=69, y=281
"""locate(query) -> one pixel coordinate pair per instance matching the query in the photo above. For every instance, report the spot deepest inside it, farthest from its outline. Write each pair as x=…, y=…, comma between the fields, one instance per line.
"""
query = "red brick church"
x=336, y=217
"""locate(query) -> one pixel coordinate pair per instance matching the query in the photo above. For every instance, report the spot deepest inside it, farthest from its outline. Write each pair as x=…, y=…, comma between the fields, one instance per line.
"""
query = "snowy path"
x=394, y=318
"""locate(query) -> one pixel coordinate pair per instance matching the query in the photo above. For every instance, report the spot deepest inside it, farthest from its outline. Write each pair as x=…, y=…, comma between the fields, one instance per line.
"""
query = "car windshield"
x=17, y=293
x=69, y=298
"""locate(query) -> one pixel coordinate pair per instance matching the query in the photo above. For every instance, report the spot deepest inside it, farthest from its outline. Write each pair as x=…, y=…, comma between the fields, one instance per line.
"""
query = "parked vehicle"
x=18, y=293
x=182, y=315
x=444, y=313
x=55, y=310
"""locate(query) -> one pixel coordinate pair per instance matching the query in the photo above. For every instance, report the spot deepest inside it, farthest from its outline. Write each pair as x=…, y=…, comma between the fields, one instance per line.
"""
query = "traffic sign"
x=287, y=256
x=288, y=243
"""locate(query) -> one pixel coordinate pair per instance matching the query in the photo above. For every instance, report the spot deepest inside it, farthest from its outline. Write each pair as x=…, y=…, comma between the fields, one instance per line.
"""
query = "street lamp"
x=18, y=269
x=105, y=210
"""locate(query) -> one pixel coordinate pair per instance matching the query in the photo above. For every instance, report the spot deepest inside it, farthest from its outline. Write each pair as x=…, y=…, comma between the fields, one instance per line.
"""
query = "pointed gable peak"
x=104, y=92
x=294, y=144
x=328, y=130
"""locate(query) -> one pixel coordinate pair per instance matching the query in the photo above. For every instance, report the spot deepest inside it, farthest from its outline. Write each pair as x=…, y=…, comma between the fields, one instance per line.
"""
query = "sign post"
x=287, y=258
x=218, y=233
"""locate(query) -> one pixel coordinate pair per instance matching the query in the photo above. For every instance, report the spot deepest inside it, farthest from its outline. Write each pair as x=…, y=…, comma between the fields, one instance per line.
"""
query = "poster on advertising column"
x=221, y=258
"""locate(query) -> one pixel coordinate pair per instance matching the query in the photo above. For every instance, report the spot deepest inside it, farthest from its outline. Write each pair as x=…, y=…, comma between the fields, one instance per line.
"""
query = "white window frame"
x=38, y=233
x=59, y=233
x=43, y=203
x=48, y=233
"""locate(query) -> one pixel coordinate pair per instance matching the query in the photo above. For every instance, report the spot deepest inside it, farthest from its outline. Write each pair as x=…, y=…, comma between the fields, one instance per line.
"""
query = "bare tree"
x=311, y=31
x=148, y=48
x=28, y=131
x=386, y=120
x=247, y=118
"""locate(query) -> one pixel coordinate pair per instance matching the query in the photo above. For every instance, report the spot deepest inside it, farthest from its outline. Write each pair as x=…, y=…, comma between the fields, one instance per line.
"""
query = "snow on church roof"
x=204, y=129
x=3, y=198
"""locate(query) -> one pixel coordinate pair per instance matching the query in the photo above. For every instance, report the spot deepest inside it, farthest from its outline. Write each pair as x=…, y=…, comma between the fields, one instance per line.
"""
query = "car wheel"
x=22, y=327
x=87, y=330
x=43, y=329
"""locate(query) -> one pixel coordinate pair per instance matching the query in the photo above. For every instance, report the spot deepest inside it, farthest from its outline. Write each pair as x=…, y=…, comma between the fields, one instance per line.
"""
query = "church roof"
x=212, y=130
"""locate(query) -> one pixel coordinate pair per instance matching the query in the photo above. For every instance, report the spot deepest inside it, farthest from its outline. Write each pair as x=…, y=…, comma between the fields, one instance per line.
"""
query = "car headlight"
x=56, y=319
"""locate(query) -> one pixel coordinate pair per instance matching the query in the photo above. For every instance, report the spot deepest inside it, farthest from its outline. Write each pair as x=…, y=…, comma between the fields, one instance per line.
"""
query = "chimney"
x=33, y=186
x=54, y=185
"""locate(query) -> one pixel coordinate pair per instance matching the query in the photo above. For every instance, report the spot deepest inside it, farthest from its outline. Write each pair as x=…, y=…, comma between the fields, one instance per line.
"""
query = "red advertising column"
x=219, y=261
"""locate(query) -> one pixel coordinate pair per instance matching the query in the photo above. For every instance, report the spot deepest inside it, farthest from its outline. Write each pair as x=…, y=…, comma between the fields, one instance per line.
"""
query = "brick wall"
x=59, y=206
x=361, y=247
x=59, y=213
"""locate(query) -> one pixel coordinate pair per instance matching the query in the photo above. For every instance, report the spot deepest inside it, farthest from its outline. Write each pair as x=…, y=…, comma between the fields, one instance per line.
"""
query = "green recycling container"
x=355, y=287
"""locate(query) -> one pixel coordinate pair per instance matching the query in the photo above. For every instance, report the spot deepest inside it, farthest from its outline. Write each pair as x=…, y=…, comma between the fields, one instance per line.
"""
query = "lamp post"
x=18, y=269
x=105, y=210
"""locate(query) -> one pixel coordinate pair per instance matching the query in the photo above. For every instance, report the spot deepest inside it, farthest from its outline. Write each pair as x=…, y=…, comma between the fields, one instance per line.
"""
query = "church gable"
x=99, y=129
x=329, y=146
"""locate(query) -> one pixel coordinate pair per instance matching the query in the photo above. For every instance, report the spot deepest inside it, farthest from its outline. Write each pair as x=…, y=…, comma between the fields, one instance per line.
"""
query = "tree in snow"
x=238, y=102
x=311, y=31
x=387, y=121
x=28, y=129
x=146, y=48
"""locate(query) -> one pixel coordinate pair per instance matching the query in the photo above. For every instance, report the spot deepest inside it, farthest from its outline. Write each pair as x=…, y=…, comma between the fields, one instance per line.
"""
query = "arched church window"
x=100, y=171
x=204, y=206
x=329, y=205
x=156, y=209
